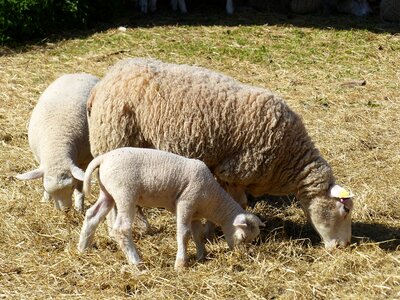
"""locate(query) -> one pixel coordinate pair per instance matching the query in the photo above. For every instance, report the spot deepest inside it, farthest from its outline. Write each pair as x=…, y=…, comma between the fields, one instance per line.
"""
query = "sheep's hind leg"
x=122, y=231
x=94, y=216
x=198, y=237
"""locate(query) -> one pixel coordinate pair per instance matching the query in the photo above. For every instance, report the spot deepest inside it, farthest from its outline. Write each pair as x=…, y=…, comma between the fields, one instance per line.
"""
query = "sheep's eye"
x=347, y=210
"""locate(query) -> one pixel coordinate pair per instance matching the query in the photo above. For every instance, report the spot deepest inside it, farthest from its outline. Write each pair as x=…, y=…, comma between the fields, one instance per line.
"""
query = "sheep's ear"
x=240, y=221
x=34, y=174
x=260, y=224
x=78, y=173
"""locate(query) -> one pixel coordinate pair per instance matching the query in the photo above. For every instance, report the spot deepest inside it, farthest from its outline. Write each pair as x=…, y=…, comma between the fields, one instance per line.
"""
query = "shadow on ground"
x=213, y=14
x=385, y=236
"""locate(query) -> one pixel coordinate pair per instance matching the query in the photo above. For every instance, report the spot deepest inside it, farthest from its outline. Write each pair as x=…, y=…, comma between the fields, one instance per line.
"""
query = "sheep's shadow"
x=211, y=13
x=385, y=236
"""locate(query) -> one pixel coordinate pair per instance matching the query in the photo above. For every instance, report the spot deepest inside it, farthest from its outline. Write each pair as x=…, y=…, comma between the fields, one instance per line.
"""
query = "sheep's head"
x=58, y=184
x=330, y=215
x=245, y=228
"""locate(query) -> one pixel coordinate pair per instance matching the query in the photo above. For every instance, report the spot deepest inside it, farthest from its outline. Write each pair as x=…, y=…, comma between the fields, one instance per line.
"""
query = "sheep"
x=249, y=137
x=131, y=177
x=390, y=10
x=59, y=139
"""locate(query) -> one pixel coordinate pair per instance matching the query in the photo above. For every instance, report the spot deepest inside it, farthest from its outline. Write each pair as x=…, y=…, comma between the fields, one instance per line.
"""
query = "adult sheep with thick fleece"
x=249, y=137
x=131, y=177
x=59, y=139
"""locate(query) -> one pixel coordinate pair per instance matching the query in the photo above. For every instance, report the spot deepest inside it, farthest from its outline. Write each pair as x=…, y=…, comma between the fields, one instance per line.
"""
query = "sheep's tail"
x=93, y=165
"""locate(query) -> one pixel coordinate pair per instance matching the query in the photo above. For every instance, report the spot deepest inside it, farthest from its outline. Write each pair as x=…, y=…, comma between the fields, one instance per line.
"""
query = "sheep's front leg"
x=198, y=237
x=94, y=216
x=182, y=236
x=79, y=197
x=122, y=231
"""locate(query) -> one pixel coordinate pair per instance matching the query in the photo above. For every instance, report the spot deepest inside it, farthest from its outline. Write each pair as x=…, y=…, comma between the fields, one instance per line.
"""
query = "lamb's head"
x=59, y=184
x=330, y=215
x=244, y=229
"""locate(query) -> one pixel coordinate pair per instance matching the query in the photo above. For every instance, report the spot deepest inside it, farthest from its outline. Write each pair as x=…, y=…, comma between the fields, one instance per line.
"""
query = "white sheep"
x=58, y=137
x=131, y=177
x=249, y=137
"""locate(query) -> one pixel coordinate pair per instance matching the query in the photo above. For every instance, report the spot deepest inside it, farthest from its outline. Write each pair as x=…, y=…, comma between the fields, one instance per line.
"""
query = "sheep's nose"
x=336, y=244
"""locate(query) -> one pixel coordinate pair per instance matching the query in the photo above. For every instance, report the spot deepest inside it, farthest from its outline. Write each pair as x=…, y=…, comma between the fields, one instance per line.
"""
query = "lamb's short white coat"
x=131, y=177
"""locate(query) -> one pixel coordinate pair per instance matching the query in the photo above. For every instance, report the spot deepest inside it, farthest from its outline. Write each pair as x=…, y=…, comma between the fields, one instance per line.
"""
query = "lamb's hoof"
x=79, y=208
x=181, y=265
x=136, y=269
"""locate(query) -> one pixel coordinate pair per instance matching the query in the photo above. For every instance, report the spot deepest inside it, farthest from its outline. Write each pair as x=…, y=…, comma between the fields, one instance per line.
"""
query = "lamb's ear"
x=34, y=174
x=240, y=221
x=78, y=173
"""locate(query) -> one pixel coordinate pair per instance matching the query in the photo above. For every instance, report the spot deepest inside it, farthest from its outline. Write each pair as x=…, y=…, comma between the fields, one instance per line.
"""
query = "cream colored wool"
x=131, y=177
x=59, y=138
x=390, y=10
x=248, y=136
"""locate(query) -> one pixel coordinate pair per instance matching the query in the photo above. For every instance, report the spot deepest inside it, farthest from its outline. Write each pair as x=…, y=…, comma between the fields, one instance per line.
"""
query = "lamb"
x=249, y=137
x=59, y=139
x=131, y=177
x=390, y=10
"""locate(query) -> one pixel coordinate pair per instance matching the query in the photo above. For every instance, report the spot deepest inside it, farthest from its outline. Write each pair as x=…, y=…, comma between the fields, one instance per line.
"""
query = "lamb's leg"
x=94, y=216
x=111, y=220
x=182, y=235
x=198, y=237
x=141, y=222
x=46, y=197
x=122, y=230
x=79, y=197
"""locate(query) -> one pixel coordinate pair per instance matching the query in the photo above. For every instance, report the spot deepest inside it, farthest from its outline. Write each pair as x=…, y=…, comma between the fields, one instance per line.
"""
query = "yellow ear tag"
x=338, y=192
